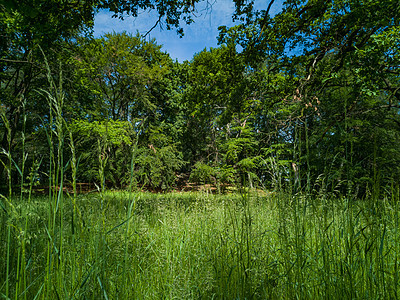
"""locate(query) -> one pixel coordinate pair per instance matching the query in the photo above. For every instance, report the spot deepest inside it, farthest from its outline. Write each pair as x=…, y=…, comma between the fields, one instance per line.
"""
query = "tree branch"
x=154, y=26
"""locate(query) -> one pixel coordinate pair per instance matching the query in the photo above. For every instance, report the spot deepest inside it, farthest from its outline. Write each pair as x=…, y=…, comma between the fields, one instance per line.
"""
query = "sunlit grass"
x=204, y=246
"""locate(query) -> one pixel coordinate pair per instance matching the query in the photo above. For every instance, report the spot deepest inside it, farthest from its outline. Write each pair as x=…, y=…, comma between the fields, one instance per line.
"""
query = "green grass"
x=203, y=246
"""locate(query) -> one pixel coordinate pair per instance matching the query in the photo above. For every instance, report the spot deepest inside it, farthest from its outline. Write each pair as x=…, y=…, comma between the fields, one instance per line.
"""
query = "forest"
x=313, y=94
x=291, y=124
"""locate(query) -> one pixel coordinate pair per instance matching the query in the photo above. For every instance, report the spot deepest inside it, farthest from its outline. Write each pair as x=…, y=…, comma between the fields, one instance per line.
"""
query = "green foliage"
x=120, y=70
x=198, y=245
x=202, y=173
x=157, y=167
x=107, y=142
x=111, y=132
x=157, y=163
x=218, y=176
x=309, y=106
x=329, y=77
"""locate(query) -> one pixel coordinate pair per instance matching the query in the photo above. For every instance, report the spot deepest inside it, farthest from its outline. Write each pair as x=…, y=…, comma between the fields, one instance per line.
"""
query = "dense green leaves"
x=119, y=71
x=304, y=102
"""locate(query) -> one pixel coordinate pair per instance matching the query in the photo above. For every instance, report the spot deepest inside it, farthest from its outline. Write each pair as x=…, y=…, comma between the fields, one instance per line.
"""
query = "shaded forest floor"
x=182, y=185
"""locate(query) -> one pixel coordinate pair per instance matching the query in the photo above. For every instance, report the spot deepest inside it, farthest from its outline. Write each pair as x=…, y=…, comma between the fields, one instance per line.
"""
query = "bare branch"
x=154, y=26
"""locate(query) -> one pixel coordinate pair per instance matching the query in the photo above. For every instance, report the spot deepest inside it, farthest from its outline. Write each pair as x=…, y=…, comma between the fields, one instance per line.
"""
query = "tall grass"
x=203, y=246
x=7, y=205
x=247, y=245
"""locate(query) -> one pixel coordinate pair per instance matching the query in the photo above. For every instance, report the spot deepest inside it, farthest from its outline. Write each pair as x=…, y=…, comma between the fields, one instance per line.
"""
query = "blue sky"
x=198, y=35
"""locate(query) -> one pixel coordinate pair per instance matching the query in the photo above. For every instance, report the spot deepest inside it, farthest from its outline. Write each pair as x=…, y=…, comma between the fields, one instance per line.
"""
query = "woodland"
x=290, y=128
x=313, y=93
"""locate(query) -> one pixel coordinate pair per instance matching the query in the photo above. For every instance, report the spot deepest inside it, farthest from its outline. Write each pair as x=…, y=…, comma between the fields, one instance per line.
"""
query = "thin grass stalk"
x=348, y=173
x=100, y=245
x=22, y=267
x=51, y=183
x=75, y=216
x=323, y=235
x=249, y=239
x=100, y=254
x=74, y=169
x=60, y=134
x=130, y=210
x=9, y=177
x=103, y=158
x=297, y=157
x=127, y=231
x=55, y=98
x=49, y=136
x=396, y=219
x=307, y=141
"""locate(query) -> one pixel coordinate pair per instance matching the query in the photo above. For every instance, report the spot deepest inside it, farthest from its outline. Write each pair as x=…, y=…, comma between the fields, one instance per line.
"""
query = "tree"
x=29, y=31
x=130, y=80
x=212, y=95
x=120, y=70
x=222, y=100
x=340, y=62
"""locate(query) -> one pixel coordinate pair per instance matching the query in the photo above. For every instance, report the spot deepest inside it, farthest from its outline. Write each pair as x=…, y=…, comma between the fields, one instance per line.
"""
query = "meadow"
x=302, y=103
x=200, y=245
